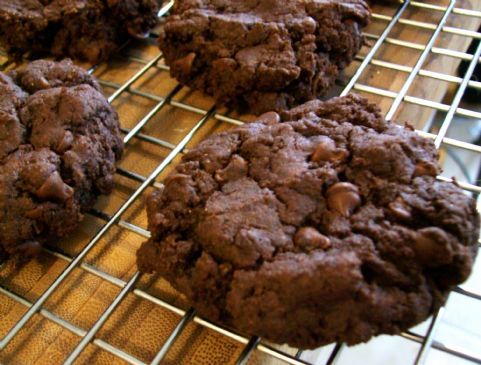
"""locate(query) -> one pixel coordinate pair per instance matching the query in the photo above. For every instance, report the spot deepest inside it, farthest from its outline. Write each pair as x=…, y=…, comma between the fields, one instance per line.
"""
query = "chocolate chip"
x=310, y=238
x=269, y=118
x=184, y=65
x=236, y=169
x=326, y=150
x=344, y=198
x=43, y=83
x=423, y=168
x=54, y=188
x=432, y=247
x=424, y=246
x=400, y=209
x=29, y=248
x=309, y=24
x=66, y=142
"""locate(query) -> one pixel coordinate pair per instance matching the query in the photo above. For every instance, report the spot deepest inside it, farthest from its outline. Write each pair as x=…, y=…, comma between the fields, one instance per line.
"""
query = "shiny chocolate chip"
x=43, y=83
x=236, y=169
x=54, y=188
x=310, y=238
x=66, y=142
x=432, y=247
x=269, y=118
x=400, y=209
x=184, y=65
x=326, y=150
x=344, y=198
x=423, y=168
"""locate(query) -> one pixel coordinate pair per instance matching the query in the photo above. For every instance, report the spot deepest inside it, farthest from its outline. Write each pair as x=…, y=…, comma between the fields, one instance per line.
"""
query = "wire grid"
x=426, y=341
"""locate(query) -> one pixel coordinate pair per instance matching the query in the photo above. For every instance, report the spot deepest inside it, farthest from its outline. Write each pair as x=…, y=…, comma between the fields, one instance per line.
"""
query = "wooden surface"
x=139, y=327
x=423, y=87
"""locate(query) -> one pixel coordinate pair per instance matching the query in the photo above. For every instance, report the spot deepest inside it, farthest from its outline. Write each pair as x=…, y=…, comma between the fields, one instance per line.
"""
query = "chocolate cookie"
x=59, y=141
x=323, y=224
x=88, y=29
x=264, y=55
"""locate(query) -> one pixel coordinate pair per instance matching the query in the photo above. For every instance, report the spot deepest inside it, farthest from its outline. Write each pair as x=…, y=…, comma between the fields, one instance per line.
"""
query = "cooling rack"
x=156, y=134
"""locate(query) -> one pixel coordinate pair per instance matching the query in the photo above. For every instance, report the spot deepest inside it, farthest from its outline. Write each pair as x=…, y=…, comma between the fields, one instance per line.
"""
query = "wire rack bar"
x=380, y=40
x=103, y=318
x=134, y=131
x=422, y=72
x=248, y=350
x=417, y=46
x=430, y=26
x=335, y=354
x=186, y=318
x=134, y=78
x=452, y=350
x=177, y=104
x=147, y=138
x=459, y=11
x=468, y=293
x=428, y=340
x=73, y=329
x=417, y=101
x=299, y=353
x=457, y=98
x=407, y=84
x=165, y=9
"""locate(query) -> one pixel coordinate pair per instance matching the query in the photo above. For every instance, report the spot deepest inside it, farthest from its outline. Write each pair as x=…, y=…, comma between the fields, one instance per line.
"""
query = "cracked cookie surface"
x=89, y=30
x=262, y=54
x=323, y=224
x=59, y=142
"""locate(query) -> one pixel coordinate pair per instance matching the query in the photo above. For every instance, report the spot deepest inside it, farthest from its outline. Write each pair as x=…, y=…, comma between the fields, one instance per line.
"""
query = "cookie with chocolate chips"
x=89, y=30
x=59, y=142
x=323, y=224
x=262, y=55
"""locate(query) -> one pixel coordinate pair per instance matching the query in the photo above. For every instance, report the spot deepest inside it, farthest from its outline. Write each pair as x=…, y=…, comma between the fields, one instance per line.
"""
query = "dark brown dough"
x=83, y=29
x=327, y=226
x=263, y=55
x=59, y=142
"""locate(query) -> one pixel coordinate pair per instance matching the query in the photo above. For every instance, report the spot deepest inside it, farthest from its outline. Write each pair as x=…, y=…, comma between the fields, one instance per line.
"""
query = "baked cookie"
x=264, y=55
x=84, y=29
x=323, y=224
x=59, y=141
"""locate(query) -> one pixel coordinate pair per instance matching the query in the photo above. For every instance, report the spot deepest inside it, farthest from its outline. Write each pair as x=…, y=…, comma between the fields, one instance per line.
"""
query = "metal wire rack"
x=138, y=132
